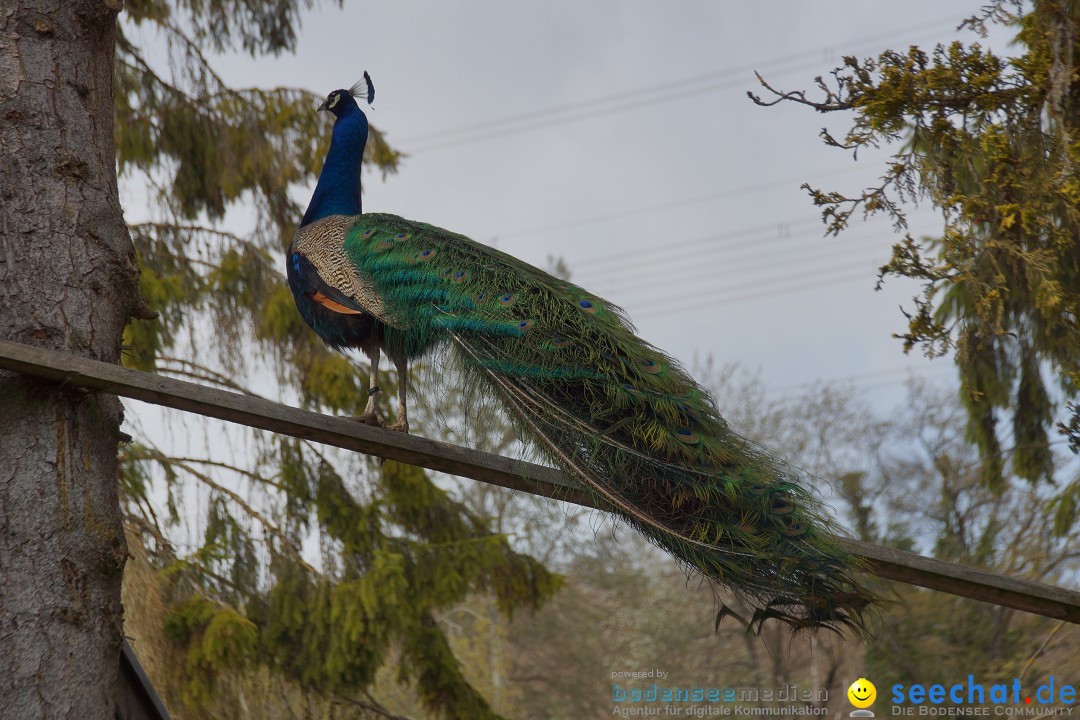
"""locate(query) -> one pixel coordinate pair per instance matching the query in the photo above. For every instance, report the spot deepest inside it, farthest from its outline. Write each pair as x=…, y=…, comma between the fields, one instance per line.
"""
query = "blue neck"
x=338, y=189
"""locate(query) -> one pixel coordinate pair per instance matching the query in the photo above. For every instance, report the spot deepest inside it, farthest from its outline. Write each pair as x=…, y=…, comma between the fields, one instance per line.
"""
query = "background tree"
x=991, y=142
x=906, y=478
x=68, y=274
x=934, y=490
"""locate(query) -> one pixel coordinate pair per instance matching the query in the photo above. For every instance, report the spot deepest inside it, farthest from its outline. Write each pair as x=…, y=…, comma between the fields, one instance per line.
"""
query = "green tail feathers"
x=615, y=412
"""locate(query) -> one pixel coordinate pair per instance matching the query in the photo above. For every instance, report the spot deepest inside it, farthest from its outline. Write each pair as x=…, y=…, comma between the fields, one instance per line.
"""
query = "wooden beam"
x=889, y=563
x=136, y=697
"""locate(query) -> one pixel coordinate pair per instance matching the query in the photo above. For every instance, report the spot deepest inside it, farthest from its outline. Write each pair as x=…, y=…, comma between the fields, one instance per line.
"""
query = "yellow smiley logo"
x=862, y=693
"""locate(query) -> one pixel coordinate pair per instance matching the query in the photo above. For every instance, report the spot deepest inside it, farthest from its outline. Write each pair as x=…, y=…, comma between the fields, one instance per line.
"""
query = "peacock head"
x=342, y=103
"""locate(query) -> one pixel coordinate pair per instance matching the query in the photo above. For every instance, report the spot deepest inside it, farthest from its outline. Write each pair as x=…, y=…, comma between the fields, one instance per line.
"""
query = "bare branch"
x=832, y=102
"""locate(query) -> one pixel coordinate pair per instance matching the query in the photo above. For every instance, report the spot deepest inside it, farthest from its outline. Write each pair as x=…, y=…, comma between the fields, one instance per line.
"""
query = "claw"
x=399, y=427
x=369, y=418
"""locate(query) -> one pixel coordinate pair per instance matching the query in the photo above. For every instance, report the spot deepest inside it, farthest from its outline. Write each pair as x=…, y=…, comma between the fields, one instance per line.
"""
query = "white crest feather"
x=364, y=89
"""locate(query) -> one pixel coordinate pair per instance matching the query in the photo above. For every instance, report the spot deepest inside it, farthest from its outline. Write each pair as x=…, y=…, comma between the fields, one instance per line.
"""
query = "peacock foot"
x=402, y=426
x=369, y=418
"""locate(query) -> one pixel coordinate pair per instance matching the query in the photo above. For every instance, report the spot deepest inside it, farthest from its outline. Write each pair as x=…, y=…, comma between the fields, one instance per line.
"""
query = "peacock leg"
x=402, y=424
x=371, y=415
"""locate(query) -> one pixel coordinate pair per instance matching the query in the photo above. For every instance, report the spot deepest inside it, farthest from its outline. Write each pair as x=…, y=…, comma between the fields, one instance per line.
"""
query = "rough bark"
x=67, y=282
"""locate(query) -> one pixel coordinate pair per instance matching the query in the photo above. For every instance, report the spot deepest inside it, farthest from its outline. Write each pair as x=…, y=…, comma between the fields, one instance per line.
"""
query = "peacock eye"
x=331, y=100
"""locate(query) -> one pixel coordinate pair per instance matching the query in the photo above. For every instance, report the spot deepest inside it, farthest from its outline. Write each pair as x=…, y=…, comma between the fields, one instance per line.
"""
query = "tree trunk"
x=67, y=282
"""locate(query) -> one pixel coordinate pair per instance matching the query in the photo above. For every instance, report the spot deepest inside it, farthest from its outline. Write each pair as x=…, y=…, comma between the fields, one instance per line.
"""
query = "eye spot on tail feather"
x=687, y=436
x=588, y=306
x=795, y=528
x=650, y=366
x=780, y=506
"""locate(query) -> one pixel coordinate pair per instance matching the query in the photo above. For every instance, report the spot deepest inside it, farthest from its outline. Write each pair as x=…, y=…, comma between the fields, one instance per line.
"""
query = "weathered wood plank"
x=965, y=581
x=255, y=412
x=136, y=698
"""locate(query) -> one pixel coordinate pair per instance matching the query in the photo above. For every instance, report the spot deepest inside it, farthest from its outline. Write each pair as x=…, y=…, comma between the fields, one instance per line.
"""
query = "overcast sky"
x=637, y=112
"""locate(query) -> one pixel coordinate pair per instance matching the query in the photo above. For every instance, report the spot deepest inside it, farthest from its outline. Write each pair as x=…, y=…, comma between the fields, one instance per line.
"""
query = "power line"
x=584, y=104
x=671, y=204
x=749, y=239
x=766, y=280
x=743, y=233
x=738, y=257
x=542, y=123
x=661, y=92
x=773, y=255
x=858, y=379
x=726, y=260
x=784, y=289
x=571, y=117
x=770, y=263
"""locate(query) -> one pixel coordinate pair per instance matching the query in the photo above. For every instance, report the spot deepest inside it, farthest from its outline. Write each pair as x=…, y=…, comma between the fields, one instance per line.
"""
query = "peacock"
x=605, y=406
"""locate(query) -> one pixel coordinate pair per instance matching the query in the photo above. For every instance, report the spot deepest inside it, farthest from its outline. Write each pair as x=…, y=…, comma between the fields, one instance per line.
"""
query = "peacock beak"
x=324, y=106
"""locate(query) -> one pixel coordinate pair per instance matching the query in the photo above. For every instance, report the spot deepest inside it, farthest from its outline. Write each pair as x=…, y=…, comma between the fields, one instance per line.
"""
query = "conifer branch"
x=194, y=51
x=251, y=511
x=190, y=228
x=152, y=453
x=197, y=371
x=249, y=474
